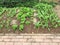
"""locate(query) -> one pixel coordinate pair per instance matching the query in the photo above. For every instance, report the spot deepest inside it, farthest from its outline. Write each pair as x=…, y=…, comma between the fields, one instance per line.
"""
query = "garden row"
x=16, y=18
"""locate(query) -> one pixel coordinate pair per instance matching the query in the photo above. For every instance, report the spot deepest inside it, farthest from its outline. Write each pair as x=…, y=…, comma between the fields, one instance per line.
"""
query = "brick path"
x=29, y=39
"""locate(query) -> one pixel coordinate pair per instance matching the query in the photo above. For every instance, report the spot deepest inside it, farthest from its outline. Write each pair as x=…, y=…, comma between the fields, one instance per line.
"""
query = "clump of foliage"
x=1, y=10
x=15, y=26
x=22, y=16
x=12, y=12
x=46, y=15
x=27, y=22
x=25, y=12
x=21, y=27
x=1, y=26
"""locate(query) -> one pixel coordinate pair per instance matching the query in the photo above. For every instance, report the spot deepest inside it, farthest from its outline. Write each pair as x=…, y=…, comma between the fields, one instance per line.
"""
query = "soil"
x=31, y=29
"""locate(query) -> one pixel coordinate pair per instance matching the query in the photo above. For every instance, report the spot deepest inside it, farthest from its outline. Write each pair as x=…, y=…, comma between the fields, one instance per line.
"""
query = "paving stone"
x=47, y=40
x=18, y=40
x=39, y=40
x=1, y=39
x=9, y=43
x=54, y=44
x=26, y=43
x=27, y=37
x=4, y=37
x=30, y=39
x=39, y=37
x=44, y=43
x=6, y=40
x=35, y=43
x=55, y=40
x=2, y=43
x=11, y=37
x=18, y=43
x=19, y=37
x=51, y=37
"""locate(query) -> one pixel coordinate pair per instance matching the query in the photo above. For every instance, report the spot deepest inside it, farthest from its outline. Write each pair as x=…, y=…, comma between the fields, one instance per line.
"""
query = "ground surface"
x=29, y=39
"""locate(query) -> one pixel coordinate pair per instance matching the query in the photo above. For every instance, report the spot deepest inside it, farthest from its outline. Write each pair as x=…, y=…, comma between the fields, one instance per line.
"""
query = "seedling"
x=15, y=26
x=27, y=22
x=21, y=27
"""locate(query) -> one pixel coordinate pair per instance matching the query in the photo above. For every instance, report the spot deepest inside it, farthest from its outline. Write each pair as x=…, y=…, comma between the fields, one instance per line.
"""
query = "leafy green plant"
x=7, y=23
x=27, y=22
x=23, y=20
x=19, y=15
x=21, y=27
x=15, y=26
x=47, y=17
x=25, y=12
x=12, y=12
x=2, y=10
x=37, y=25
x=1, y=17
x=1, y=26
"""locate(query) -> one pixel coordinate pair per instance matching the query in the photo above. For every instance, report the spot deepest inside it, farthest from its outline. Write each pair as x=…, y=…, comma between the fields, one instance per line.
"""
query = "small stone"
x=35, y=14
x=34, y=20
x=13, y=22
x=17, y=10
x=32, y=32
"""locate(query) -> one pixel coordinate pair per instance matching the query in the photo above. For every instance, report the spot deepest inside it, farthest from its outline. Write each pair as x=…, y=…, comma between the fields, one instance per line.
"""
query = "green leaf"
x=21, y=27
x=27, y=22
x=15, y=26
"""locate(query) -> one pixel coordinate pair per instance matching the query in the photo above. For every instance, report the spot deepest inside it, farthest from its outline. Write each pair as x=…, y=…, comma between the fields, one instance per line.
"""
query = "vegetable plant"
x=21, y=27
x=1, y=26
x=14, y=26
x=27, y=22
x=2, y=10
x=12, y=12
x=46, y=15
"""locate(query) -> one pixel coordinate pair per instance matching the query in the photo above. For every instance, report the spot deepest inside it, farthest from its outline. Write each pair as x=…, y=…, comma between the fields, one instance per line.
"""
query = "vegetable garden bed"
x=40, y=18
